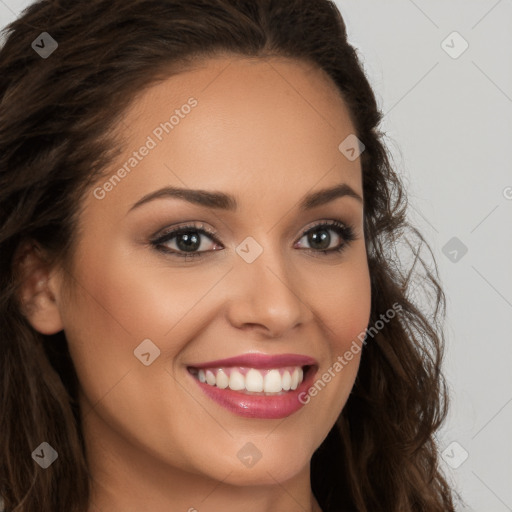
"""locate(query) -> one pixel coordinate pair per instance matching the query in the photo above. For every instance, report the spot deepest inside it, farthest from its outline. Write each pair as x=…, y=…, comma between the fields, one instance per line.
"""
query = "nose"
x=265, y=295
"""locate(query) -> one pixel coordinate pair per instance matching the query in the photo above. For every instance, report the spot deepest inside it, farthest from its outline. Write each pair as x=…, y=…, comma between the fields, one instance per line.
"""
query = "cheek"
x=123, y=300
x=343, y=310
x=116, y=306
x=132, y=299
x=344, y=307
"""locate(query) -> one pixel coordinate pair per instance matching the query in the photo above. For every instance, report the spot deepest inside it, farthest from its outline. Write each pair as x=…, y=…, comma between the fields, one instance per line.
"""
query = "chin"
x=279, y=467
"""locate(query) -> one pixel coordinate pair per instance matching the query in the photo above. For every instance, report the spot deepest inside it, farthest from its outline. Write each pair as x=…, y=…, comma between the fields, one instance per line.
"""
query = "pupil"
x=315, y=239
x=188, y=242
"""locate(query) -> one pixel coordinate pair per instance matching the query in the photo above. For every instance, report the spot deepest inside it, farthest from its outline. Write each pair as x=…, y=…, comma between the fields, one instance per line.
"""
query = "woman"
x=202, y=305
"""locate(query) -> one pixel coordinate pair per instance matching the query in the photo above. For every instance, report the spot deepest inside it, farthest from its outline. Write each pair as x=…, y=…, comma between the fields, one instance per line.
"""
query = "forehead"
x=234, y=78
x=239, y=125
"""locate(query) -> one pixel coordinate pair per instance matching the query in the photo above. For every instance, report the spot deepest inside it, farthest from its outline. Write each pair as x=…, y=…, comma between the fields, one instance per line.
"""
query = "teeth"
x=222, y=380
x=287, y=380
x=252, y=380
x=297, y=376
x=272, y=382
x=236, y=381
x=210, y=378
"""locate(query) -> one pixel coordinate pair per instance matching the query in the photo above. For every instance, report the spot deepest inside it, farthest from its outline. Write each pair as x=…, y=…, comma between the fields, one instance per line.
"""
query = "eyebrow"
x=222, y=201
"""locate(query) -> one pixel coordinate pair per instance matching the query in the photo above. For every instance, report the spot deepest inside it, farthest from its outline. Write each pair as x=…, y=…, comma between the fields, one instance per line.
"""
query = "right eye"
x=188, y=241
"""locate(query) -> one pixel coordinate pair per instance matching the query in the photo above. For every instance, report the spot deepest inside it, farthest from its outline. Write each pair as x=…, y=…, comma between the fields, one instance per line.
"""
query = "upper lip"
x=260, y=361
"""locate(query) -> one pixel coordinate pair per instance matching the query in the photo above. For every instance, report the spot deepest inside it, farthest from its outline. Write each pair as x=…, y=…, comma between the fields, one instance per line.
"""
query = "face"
x=262, y=274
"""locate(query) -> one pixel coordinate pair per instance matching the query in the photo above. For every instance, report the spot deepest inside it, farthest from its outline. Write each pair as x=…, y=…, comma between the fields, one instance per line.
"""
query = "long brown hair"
x=57, y=118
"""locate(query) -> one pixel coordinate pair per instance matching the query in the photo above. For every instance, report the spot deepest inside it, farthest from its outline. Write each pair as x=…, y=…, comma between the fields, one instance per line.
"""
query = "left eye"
x=319, y=238
x=188, y=239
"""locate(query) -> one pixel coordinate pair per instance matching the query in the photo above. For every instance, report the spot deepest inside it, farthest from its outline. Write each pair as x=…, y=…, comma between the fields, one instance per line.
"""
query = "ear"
x=38, y=288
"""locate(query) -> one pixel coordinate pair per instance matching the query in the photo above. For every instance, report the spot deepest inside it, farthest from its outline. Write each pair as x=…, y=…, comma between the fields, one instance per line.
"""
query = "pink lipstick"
x=257, y=385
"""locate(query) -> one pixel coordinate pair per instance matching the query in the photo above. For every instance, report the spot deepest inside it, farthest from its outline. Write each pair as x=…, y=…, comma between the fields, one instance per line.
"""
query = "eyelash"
x=346, y=232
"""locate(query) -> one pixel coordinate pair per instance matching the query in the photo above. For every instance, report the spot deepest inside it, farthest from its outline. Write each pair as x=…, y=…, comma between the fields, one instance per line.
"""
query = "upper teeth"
x=252, y=379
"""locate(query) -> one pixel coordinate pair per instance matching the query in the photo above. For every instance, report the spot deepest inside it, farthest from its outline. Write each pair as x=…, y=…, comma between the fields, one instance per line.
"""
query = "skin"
x=267, y=132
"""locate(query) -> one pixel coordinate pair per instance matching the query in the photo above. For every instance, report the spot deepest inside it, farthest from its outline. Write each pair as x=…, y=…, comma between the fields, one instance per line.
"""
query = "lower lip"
x=259, y=406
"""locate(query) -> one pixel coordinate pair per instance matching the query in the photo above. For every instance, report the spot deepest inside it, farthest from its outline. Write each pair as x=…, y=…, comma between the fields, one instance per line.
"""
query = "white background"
x=449, y=127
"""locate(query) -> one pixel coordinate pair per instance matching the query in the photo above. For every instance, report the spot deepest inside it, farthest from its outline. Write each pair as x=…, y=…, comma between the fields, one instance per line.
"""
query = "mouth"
x=257, y=385
x=253, y=381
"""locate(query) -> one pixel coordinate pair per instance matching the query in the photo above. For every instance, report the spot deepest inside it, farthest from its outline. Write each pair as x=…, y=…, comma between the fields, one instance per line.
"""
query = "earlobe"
x=38, y=289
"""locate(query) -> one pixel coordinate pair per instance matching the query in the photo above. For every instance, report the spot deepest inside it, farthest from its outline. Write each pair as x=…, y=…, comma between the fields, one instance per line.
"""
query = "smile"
x=256, y=385
x=265, y=382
